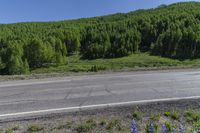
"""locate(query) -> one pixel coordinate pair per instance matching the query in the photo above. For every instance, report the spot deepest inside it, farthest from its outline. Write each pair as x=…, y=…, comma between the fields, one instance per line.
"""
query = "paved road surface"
x=29, y=97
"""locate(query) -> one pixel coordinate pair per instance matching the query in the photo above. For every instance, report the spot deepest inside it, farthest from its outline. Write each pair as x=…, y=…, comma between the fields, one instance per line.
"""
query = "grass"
x=86, y=126
x=192, y=116
x=65, y=125
x=141, y=61
x=11, y=130
x=35, y=128
x=137, y=115
x=173, y=115
x=169, y=126
x=115, y=123
x=155, y=117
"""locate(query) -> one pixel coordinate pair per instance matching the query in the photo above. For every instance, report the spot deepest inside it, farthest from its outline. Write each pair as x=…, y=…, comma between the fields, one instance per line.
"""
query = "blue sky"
x=12, y=11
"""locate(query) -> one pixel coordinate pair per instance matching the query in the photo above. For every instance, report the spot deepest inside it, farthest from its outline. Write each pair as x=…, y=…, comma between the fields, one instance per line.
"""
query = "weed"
x=86, y=126
x=103, y=122
x=35, y=128
x=169, y=126
x=114, y=124
x=137, y=115
x=15, y=128
x=173, y=115
x=155, y=117
x=192, y=116
x=66, y=125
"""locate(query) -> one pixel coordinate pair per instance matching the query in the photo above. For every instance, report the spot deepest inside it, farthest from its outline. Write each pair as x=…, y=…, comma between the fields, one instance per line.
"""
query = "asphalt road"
x=31, y=97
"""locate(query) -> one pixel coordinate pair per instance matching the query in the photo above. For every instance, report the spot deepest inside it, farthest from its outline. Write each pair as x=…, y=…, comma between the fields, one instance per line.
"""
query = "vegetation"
x=35, y=128
x=86, y=126
x=148, y=123
x=11, y=130
x=170, y=31
x=174, y=115
x=141, y=61
x=137, y=115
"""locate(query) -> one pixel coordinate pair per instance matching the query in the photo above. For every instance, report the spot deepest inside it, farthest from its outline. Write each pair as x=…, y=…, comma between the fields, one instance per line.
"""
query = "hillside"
x=170, y=31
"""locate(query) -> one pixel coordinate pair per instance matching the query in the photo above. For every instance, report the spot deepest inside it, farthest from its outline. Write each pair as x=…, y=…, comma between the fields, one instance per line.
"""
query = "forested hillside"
x=170, y=31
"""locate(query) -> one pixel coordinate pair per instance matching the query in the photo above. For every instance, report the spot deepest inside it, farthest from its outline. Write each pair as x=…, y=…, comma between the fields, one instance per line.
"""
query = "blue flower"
x=181, y=129
x=164, y=129
x=134, y=127
x=152, y=129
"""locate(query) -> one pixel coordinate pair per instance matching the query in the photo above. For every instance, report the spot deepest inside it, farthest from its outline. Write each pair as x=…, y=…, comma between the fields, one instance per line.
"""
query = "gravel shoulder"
x=113, y=119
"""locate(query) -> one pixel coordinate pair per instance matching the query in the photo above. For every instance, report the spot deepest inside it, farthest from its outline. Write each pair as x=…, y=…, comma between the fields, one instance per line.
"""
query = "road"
x=32, y=97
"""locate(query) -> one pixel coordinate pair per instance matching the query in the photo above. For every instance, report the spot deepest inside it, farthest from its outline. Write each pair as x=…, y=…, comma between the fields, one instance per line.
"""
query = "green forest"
x=171, y=31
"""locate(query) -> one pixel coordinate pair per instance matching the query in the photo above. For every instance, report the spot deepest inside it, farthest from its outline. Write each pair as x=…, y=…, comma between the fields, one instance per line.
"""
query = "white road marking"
x=34, y=83
x=79, y=108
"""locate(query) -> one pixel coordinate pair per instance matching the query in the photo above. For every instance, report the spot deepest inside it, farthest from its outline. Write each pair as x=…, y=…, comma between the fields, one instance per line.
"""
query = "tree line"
x=171, y=31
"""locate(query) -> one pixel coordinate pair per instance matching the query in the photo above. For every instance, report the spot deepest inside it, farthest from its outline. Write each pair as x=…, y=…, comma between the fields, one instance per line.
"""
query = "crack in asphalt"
x=68, y=94
x=87, y=97
x=108, y=90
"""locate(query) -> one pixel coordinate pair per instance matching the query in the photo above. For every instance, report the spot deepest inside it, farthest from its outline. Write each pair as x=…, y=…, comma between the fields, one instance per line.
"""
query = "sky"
x=12, y=11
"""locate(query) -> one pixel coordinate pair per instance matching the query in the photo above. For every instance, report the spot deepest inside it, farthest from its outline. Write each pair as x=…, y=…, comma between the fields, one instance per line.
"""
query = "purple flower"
x=164, y=129
x=198, y=131
x=152, y=129
x=133, y=127
x=181, y=129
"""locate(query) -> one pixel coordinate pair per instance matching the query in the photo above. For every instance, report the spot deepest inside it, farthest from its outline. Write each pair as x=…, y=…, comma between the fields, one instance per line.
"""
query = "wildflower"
x=164, y=129
x=181, y=129
x=152, y=129
x=133, y=127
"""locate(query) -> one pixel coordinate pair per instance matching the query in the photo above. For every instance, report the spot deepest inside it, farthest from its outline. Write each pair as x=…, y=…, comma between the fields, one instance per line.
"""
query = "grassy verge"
x=134, y=62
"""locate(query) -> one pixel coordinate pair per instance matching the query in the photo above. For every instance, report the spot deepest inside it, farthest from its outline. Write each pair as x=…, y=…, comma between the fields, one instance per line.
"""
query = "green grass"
x=86, y=126
x=155, y=117
x=192, y=116
x=173, y=115
x=65, y=125
x=35, y=128
x=114, y=123
x=141, y=61
x=11, y=130
x=137, y=115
